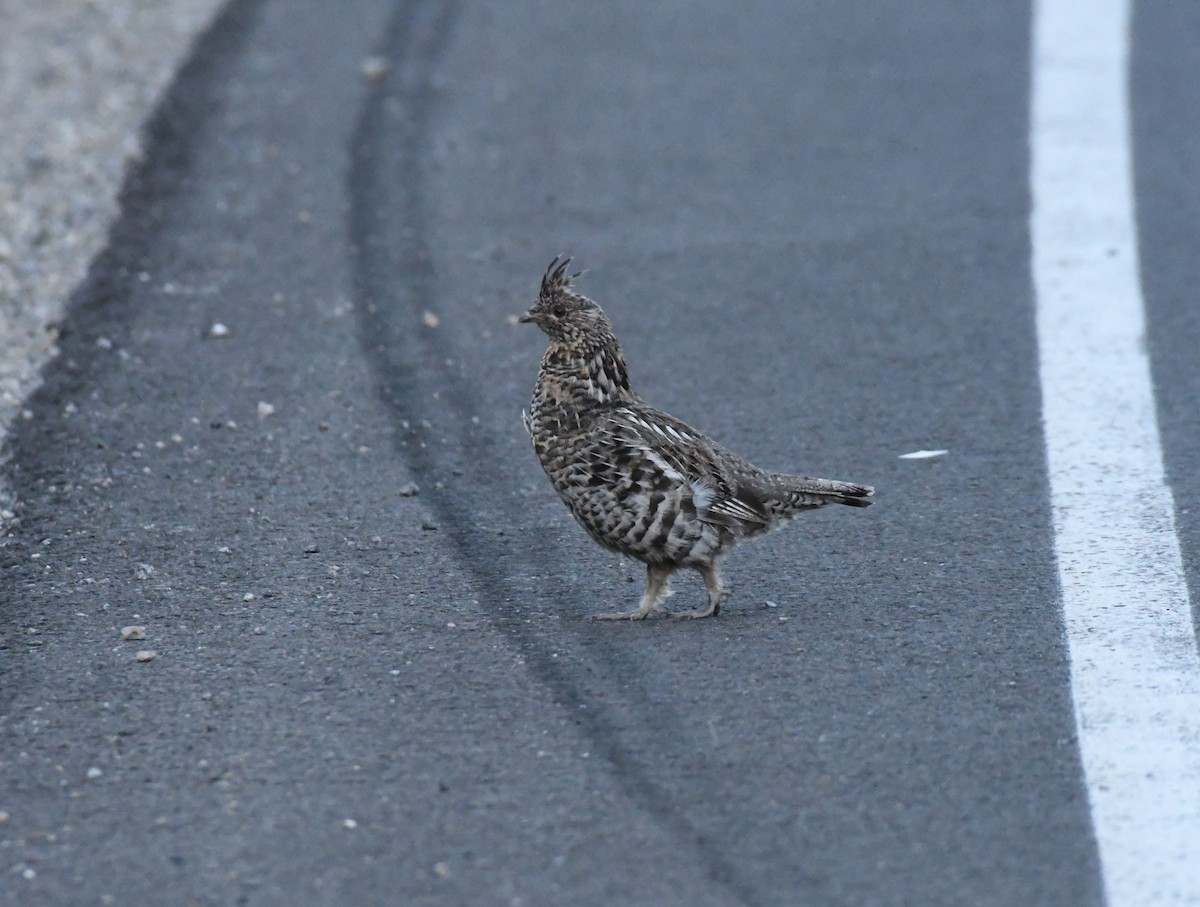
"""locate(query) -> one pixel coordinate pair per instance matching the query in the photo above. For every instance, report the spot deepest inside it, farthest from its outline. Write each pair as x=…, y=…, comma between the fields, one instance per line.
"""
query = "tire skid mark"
x=394, y=282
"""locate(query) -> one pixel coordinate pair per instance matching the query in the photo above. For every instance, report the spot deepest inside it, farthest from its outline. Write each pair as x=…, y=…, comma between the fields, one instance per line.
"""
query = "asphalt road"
x=809, y=225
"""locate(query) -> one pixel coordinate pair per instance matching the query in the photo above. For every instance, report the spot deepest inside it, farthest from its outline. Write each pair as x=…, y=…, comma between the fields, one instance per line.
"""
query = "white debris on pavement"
x=375, y=68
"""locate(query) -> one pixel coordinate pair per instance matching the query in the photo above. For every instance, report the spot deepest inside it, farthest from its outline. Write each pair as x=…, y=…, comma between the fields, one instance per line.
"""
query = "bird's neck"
x=587, y=372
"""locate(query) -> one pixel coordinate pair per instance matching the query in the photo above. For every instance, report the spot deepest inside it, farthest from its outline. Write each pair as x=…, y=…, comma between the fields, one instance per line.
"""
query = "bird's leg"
x=712, y=582
x=658, y=581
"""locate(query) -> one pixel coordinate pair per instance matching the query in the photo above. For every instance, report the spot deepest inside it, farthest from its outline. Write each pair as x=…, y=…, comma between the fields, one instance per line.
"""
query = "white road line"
x=1135, y=673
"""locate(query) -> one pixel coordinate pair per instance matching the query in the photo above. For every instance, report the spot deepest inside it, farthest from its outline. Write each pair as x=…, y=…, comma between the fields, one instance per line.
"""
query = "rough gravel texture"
x=77, y=78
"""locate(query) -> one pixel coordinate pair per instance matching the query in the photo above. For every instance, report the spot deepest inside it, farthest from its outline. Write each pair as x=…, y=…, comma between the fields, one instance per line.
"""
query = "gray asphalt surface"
x=77, y=81
x=809, y=225
x=1167, y=147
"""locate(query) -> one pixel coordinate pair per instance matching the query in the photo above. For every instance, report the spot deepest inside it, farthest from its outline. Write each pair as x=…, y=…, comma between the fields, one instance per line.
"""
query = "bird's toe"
x=636, y=614
x=708, y=610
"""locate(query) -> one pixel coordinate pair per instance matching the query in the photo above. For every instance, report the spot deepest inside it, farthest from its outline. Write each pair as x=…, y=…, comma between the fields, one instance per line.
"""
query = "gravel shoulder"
x=77, y=80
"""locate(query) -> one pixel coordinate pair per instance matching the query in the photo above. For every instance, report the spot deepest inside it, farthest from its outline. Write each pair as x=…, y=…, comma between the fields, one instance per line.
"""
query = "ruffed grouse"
x=643, y=483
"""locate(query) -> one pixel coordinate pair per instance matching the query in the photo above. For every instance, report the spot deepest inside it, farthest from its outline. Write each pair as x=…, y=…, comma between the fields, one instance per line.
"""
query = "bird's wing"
x=680, y=455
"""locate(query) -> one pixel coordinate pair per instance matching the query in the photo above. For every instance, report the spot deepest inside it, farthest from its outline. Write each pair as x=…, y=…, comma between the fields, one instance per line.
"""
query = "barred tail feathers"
x=797, y=493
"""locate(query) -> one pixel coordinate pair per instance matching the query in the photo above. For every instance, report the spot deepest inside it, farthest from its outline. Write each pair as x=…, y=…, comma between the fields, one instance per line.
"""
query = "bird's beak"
x=525, y=318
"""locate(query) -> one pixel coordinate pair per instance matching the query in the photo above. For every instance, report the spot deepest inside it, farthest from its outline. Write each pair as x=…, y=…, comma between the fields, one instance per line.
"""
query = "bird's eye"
x=559, y=310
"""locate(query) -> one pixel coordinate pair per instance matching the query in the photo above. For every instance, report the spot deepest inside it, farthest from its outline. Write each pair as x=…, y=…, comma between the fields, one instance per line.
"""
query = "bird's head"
x=564, y=315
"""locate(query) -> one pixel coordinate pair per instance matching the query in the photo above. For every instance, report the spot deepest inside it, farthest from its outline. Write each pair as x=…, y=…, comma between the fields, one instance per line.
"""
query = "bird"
x=641, y=482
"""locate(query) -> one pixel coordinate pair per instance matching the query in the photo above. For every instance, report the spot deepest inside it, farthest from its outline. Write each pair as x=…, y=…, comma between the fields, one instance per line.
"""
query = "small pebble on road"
x=375, y=68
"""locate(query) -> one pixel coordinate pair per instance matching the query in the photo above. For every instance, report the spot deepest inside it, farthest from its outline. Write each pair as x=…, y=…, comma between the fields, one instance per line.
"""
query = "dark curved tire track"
x=429, y=397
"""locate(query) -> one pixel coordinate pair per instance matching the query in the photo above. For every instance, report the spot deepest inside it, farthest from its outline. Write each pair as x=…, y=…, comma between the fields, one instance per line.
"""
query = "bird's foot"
x=635, y=614
x=710, y=609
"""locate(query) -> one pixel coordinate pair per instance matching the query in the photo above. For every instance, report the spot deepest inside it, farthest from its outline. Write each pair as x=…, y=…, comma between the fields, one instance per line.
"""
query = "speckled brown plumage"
x=641, y=482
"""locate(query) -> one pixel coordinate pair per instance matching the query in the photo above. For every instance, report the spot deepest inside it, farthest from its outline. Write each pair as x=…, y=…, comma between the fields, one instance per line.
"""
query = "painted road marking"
x=1135, y=673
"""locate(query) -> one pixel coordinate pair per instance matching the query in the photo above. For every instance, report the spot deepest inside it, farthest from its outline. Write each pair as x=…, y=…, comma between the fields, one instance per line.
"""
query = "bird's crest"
x=556, y=279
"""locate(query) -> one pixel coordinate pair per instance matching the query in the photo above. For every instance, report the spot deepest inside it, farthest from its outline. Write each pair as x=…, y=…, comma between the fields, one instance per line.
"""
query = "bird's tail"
x=796, y=493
